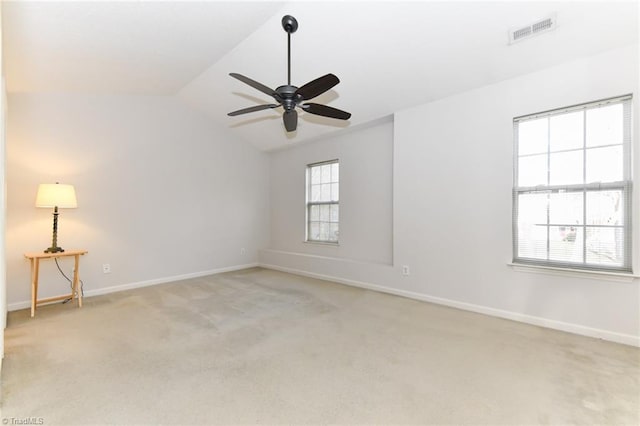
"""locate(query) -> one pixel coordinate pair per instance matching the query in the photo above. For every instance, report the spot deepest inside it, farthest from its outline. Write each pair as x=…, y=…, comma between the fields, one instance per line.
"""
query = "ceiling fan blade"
x=252, y=109
x=317, y=87
x=290, y=119
x=259, y=86
x=326, y=111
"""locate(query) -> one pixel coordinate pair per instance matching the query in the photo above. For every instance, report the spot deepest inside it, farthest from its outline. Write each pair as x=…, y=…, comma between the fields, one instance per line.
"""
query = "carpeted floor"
x=264, y=347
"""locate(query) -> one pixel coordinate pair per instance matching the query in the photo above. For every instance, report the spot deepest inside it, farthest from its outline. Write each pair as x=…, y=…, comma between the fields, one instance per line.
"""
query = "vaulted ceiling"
x=388, y=55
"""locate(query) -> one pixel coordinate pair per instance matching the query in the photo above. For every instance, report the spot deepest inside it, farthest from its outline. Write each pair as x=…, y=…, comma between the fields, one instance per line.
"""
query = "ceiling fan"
x=290, y=97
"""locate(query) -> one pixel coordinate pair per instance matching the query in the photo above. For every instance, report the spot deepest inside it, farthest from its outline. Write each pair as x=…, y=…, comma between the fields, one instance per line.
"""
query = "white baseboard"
x=106, y=290
x=626, y=339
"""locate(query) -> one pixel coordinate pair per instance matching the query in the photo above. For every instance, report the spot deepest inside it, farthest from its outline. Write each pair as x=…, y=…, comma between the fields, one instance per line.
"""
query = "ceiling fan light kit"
x=288, y=96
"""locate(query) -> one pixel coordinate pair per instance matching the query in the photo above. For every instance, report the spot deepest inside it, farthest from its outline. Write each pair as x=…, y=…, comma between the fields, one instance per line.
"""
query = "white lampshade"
x=56, y=195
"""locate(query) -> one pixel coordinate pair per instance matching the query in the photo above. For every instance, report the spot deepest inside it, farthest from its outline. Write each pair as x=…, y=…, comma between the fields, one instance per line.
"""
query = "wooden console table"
x=35, y=267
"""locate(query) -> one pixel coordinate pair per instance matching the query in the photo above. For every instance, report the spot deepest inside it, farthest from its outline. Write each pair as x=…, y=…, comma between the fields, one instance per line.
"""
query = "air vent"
x=538, y=27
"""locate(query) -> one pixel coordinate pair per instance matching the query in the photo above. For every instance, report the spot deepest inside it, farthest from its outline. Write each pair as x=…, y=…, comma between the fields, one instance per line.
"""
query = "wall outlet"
x=405, y=270
x=106, y=268
x=243, y=251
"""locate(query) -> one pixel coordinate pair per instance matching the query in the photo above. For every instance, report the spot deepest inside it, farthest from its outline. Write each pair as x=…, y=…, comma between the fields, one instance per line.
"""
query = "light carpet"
x=265, y=347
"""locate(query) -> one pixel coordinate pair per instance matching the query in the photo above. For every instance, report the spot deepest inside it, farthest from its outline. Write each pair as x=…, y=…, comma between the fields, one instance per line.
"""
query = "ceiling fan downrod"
x=290, y=25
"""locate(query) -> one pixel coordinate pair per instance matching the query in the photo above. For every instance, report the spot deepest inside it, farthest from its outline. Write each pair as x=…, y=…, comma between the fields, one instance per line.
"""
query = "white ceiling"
x=152, y=48
x=388, y=55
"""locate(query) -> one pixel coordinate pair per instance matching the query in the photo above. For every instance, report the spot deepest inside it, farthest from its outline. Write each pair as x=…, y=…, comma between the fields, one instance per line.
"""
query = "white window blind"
x=572, y=187
x=323, y=196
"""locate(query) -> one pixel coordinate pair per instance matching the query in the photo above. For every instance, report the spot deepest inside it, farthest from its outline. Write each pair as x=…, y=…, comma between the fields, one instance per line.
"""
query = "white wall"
x=452, y=178
x=161, y=191
x=3, y=207
x=366, y=176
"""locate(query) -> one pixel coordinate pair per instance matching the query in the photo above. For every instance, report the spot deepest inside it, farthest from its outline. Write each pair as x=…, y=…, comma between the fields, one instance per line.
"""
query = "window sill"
x=322, y=243
x=579, y=273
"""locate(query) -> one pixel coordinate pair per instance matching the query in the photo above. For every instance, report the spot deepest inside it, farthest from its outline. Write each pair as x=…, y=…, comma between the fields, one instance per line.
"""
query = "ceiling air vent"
x=538, y=27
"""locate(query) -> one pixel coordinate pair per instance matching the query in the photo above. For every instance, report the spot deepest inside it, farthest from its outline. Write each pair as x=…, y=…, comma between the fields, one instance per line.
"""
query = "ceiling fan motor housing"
x=288, y=96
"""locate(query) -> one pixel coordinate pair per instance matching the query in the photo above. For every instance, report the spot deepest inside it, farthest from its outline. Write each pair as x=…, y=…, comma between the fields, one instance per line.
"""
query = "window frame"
x=309, y=203
x=625, y=185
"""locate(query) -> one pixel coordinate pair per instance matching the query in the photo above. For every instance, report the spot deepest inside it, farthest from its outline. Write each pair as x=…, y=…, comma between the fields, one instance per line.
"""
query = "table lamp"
x=57, y=196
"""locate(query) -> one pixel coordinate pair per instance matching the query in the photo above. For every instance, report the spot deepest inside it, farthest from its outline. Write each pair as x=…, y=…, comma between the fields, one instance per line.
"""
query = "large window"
x=323, y=195
x=572, y=187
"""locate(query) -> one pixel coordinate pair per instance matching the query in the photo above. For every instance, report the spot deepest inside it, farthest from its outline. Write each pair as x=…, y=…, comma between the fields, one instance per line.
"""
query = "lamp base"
x=54, y=250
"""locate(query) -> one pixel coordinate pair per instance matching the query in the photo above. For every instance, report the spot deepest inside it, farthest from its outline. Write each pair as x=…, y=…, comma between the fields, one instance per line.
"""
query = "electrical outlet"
x=106, y=268
x=405, y=270
x=243, y=251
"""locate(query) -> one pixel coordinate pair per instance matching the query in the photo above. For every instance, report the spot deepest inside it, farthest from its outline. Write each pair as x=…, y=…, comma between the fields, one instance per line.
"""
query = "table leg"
x=76, y=290
x=35, y=267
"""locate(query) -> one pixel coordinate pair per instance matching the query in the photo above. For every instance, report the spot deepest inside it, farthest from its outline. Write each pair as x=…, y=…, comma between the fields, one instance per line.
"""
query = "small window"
x=572, y=187
x=323, y=195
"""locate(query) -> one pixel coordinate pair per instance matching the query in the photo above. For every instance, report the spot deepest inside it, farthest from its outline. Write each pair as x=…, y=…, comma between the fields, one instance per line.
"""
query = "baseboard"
x=106, y=290
x=626, y=339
